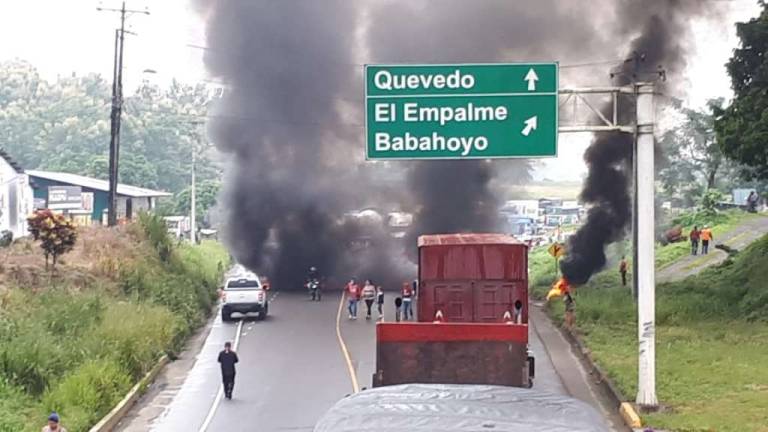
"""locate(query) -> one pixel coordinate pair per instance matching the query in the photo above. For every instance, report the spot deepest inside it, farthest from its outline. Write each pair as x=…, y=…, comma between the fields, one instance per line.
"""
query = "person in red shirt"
x=407, y=295
x=353, y=296
x=695, y=236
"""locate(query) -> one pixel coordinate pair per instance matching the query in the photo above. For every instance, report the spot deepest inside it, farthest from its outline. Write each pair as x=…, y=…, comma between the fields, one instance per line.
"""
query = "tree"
x=64, y=126
x=206, y=195
x=742, y=127
x=693, y=161
x=57, y=235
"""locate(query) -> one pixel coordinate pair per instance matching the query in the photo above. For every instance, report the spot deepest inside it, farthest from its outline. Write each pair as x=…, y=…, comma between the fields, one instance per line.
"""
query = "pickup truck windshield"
x=243, y=284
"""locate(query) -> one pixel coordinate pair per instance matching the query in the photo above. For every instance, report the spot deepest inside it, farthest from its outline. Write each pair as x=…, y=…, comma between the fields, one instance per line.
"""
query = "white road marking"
x=220, y=394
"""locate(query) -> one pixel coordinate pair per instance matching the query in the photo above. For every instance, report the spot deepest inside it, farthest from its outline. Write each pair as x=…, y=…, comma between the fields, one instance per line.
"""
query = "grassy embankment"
x=712, y=341
x=76, y=341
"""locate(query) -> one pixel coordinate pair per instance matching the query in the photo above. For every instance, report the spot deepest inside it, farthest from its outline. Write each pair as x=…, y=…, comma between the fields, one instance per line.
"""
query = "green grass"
x=721, y=224
x=711, y=343
x=78, y=351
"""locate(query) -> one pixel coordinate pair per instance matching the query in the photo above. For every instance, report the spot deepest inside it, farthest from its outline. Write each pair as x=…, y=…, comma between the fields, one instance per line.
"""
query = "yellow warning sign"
x=556, y=250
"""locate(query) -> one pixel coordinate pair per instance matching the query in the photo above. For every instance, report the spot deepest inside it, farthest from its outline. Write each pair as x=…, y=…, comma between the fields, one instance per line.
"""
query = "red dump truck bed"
x=472, y=277
x=467, y=332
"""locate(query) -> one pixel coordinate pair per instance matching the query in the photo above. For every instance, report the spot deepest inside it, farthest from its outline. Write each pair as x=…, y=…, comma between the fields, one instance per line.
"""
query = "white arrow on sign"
x=531, y=77
x=530, y=125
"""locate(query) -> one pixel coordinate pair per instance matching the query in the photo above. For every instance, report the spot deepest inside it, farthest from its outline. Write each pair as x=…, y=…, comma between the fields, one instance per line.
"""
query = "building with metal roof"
x=94, y=194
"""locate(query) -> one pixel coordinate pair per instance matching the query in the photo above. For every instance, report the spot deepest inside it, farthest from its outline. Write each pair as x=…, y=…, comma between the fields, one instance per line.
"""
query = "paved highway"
x=293, y=368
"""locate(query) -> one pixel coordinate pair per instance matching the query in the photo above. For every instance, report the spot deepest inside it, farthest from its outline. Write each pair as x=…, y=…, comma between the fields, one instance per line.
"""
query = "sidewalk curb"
x=630, y=416
x=626, y=409
x=118, y=412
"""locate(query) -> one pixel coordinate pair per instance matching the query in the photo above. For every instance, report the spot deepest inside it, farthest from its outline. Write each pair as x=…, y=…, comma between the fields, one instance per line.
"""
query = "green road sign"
x=461, y=111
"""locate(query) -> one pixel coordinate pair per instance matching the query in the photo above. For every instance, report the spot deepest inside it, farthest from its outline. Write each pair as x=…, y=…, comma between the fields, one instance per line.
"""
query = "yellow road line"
x=344, y=350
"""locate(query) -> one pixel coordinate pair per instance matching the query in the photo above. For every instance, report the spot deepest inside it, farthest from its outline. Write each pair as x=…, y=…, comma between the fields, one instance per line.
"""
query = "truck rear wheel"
x=226, y=315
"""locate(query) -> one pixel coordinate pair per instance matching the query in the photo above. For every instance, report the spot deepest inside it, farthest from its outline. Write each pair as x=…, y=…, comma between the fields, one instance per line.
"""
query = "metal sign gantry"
x=644, y=238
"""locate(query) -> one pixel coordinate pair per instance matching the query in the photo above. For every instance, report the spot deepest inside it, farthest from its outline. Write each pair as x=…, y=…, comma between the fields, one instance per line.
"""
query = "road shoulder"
x=572, y=369
x=161, y=393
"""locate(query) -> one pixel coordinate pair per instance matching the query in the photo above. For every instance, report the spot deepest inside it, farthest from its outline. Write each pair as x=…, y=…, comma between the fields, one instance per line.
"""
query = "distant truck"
x=472, y=324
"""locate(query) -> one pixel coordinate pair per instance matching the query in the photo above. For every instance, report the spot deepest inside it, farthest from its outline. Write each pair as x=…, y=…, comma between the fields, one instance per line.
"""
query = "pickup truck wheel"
x=226, y=315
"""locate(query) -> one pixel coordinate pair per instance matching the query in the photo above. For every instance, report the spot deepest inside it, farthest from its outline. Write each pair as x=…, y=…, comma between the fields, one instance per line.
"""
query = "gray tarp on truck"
x=459, y=408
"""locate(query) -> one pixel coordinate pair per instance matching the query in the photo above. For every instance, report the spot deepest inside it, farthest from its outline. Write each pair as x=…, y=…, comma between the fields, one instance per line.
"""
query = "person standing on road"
x=228, y=358
x=695, y=236
x=380, y=301
x=407, y=294
x=706, y=237
x=53, y=424
x=398, y=308
x=353, y=296
x=623, y=270
x=369, y=296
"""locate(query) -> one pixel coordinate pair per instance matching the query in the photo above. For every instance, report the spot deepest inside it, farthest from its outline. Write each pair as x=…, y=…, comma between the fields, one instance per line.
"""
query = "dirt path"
x=738, y=238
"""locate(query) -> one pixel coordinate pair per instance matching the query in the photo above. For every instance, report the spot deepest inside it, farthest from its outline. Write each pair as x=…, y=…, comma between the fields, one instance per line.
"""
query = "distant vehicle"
x=521, y=226
x=459, y=408
x=245, y=293
x=398, y=223
x=528, y=208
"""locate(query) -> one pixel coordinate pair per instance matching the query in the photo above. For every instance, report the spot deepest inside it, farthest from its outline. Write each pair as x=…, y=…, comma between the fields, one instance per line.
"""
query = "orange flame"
x=559, y=289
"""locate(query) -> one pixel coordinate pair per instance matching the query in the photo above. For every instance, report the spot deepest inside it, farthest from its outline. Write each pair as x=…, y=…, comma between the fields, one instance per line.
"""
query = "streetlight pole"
x=645, y=267
x=116, y=113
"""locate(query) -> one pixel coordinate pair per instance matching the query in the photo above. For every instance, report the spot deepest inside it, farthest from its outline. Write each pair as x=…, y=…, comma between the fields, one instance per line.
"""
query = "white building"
x=16, y=197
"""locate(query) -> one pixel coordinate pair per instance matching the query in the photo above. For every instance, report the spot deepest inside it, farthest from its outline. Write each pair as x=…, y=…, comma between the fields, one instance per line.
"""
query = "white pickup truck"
x=244, y=293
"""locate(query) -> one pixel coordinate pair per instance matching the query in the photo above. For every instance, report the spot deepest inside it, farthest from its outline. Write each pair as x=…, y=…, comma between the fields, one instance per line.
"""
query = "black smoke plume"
x=291, y=119
x=293, y=172
x=662, y=43
x=456, y=196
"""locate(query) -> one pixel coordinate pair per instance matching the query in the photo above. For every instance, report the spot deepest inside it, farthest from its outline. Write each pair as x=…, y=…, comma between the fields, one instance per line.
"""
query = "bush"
x=13, y=408
x=156, y=232
x=69, y=315
x=135, y=336
x=87, y=394
x=33, y=357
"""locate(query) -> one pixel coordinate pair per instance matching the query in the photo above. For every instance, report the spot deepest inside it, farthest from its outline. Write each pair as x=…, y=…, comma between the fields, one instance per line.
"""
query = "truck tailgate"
x=451, y=353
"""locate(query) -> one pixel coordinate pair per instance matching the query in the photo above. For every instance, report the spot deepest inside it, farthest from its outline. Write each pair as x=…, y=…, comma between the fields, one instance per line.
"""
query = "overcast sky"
x=64, y=36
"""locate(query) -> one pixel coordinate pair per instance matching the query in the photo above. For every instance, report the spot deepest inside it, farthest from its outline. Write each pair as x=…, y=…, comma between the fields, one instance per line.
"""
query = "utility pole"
x=646, y=255
x=117, y=108
x=193, y=206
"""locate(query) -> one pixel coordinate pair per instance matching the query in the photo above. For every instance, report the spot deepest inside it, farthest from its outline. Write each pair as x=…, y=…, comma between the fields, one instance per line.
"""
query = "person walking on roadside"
x=623, y=270
x=398, y=308
x=570, y=311
x=407, y=294
x=752, y=200
x=380, y=301
x=369, y=296
x=227, y=359
x=695, y=236
x=353, y=296
x=706, y=238
x=53, y=424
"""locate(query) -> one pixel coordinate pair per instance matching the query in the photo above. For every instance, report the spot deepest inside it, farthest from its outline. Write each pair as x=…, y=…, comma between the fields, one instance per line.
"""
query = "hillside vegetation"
x=712, y=342
x=75, y=341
